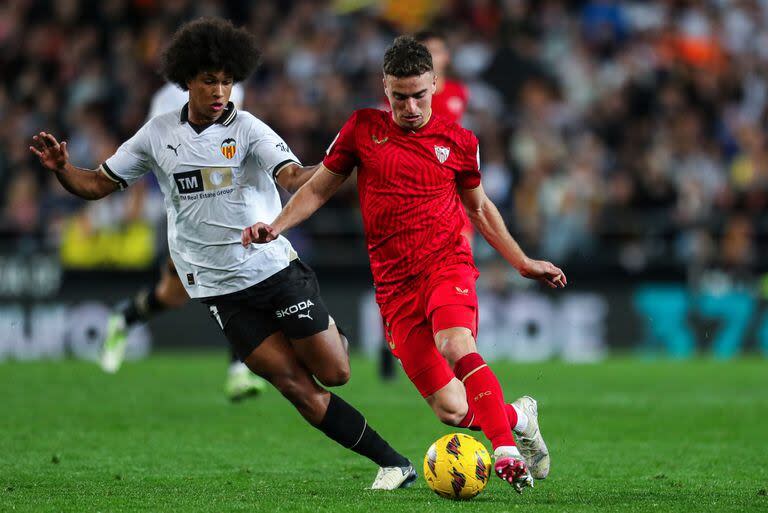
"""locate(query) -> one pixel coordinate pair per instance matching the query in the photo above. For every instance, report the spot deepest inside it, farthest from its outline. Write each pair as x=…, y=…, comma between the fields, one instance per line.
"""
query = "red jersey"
x=451, y=102
x=408, y=184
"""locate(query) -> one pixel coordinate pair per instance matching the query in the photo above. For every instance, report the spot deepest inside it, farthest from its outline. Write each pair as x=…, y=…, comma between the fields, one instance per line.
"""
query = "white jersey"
x=172, y=97
x=214, y=184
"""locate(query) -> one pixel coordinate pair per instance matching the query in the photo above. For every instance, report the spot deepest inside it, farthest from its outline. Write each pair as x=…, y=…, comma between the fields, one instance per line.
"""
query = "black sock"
x=347, y=427
x=233, y=358
x=142, y=307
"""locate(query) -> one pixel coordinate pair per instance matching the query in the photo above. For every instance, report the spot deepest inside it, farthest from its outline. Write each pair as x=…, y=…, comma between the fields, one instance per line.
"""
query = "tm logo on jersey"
x=204, y=183
x=295, y=309
x=228, y=148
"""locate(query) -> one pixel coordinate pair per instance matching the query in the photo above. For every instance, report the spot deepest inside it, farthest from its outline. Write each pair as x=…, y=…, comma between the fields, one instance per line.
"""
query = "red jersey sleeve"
x=341, y=156
x=469, y=175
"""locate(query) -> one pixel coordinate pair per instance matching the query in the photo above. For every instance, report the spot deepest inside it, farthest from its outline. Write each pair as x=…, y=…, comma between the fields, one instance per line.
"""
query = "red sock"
x=470, y=419
x=486, y=398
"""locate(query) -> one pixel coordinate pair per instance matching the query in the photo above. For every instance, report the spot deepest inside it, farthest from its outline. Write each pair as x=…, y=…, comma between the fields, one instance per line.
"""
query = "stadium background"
x=625, y=141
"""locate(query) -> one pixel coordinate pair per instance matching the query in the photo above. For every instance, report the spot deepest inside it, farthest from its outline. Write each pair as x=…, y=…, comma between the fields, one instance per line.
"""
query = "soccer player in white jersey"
x=169, y=293
x=218, y=168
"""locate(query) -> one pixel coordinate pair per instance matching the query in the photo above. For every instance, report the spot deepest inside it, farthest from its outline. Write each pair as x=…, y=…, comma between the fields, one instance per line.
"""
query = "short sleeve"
x=469, y=175
x=269, y=150
x=341, y=156
x=132, y=160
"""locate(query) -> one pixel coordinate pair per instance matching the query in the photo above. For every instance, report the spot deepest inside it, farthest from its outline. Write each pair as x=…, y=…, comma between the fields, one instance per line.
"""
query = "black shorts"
x=288, y=301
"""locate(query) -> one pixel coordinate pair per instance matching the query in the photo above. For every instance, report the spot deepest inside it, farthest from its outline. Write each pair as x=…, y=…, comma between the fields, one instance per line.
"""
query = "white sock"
x=522, y=421
x=238, y=367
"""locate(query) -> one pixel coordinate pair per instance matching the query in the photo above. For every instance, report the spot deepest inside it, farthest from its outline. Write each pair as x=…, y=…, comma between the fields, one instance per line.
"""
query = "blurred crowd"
x=628, y=134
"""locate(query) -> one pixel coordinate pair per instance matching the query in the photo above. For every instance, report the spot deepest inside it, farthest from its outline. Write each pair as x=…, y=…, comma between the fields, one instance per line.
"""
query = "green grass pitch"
x=159, y=436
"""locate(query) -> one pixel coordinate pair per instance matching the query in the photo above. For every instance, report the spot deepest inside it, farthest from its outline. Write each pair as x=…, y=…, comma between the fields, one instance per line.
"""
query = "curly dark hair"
x=209, y=44
x=406, y=58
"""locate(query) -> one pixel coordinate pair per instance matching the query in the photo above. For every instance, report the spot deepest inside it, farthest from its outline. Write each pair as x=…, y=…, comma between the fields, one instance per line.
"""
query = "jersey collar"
x=227, y=116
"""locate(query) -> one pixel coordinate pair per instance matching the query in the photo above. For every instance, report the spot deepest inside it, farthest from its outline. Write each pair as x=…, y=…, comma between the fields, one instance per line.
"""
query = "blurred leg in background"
x=168, y=294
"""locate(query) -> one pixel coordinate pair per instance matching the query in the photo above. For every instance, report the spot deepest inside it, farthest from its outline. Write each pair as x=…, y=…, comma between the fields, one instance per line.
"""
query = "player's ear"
x=384, y=82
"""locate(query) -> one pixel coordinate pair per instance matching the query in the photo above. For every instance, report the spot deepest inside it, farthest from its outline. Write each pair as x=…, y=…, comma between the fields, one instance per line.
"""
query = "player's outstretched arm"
x=311, y=196
x=488, y=221
x=88, y=184
x=292, y=176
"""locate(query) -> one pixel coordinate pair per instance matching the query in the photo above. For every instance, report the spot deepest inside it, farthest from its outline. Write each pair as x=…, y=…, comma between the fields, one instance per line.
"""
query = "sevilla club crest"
x=442, y=153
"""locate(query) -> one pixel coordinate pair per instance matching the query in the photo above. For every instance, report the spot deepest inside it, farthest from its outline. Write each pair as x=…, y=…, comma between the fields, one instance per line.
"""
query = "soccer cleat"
x=242, y=383
x=530, y=442
x=511, y=467
x=113, y=349
x=392, y=478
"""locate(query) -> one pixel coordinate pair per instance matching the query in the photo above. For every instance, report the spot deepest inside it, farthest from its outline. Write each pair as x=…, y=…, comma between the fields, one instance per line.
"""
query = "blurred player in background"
x=168, y=293
x=218, y=168
x=451, y=95
x=416, y=173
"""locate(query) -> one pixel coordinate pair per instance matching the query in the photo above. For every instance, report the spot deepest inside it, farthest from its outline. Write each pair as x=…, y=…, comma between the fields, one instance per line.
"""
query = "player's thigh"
x=451, y=298
x=170, y=289
x=245, y=327
x=303, y=317
x=454, y=327
x=422, y=362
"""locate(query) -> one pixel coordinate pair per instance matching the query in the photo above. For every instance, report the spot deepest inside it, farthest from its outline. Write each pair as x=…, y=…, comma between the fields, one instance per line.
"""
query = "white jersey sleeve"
x=132, y=160
x=269, y=150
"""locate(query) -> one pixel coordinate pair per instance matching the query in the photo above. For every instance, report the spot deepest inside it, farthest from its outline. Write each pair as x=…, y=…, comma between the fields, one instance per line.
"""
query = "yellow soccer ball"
x=457, y=466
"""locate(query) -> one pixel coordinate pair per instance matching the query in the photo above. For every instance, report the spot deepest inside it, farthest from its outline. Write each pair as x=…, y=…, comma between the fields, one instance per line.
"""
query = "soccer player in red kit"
x=416, y=173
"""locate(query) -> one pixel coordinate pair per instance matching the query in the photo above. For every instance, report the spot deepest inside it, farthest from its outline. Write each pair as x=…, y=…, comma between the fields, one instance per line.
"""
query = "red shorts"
x=444, y=298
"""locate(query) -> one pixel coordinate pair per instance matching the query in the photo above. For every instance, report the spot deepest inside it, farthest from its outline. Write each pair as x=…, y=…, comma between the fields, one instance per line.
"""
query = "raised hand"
x=52, y=155
x=545, y=272
x=259, y=233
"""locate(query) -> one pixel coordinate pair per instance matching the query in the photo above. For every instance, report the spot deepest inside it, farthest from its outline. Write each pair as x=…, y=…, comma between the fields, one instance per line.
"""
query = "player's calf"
x=306, y=396
x=450, y=404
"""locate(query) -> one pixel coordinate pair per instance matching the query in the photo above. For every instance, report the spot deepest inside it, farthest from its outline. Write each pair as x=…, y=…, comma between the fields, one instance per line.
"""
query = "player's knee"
x=337, y=376
x=455, y=344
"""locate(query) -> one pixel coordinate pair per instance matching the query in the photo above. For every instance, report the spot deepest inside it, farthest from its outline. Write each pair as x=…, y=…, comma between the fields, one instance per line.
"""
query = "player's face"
x=410, y=98
x=440, y=54
x=208, y=95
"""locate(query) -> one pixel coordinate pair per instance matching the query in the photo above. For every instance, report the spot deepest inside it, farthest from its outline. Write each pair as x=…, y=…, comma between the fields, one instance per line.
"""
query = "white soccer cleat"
x=530, y=442
x=392, y=478
x=113, y=349
x=242, y=383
